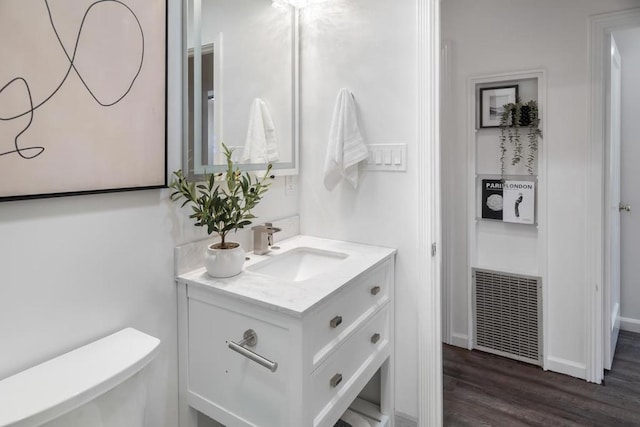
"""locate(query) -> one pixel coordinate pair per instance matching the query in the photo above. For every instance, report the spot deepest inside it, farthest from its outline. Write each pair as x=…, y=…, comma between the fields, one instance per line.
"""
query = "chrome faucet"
x=263, y=237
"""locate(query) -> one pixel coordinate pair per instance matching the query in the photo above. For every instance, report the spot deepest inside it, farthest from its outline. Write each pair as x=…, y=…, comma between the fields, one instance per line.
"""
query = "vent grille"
x=508, y=315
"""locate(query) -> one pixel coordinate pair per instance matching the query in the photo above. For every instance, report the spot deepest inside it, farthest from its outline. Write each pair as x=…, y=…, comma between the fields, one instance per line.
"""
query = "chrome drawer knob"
x=375, y=290
x=375, y=338
x=335, y=322
x=335, y=380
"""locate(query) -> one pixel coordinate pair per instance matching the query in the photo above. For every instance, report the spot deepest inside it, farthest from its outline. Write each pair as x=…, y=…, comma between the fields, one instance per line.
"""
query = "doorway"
x=628, y=42
x=604, y=205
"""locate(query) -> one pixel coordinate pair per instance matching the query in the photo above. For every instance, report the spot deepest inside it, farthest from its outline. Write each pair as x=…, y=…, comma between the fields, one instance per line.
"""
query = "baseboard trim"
x=460, y=340
x=404, y=420
x=567, y=367
x=631, y=325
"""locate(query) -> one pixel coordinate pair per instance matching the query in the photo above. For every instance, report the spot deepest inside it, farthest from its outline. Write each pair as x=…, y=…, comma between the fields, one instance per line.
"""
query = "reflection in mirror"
x=206, y=101
x=240, y=88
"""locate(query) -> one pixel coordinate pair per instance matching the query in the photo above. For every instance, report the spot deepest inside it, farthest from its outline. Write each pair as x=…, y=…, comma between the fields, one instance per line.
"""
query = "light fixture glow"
x=298, y=4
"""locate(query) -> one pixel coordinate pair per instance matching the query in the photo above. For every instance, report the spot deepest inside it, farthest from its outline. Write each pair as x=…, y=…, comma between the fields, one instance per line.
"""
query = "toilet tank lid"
x=57, y=386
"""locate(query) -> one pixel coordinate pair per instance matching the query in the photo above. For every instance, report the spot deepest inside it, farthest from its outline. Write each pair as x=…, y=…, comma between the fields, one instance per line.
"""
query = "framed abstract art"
x=82, y=96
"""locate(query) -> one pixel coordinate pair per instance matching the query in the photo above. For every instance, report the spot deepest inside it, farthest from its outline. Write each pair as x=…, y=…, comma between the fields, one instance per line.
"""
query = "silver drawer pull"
x=375, y=338
x=375, y=290
x=335, y=380
x=250, y=339
x=335, y=322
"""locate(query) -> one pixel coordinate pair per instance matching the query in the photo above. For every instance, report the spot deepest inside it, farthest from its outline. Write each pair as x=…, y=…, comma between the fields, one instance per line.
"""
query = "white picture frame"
x=519, y=202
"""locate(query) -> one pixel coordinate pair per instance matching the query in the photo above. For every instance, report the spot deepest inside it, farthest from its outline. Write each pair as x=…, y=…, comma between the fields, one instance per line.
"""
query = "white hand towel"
x=261, y=144
x=346, y=148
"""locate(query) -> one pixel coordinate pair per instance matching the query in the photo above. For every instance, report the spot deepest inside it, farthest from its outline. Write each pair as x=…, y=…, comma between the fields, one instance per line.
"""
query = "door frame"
x=428, y=230
x=600, y=29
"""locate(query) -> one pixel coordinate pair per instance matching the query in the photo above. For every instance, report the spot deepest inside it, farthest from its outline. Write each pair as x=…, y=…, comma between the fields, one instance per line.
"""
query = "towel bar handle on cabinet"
x=250, y=338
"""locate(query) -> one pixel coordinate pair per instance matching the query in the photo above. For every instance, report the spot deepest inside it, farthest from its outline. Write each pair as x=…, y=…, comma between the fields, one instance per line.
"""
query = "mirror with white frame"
x=240, y=86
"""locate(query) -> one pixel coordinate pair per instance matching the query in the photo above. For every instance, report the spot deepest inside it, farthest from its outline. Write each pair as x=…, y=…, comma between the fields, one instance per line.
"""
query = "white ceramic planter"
x=224, y=262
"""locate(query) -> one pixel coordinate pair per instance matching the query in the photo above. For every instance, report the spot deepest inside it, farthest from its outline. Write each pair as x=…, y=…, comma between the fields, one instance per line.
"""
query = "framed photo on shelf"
x=492, y=100
x=492, y=198
x=519, y=202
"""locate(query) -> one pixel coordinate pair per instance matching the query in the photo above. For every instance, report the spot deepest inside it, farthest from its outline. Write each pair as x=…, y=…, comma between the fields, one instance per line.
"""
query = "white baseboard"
x=631, y=325
x=567, y=367
x=460, y=340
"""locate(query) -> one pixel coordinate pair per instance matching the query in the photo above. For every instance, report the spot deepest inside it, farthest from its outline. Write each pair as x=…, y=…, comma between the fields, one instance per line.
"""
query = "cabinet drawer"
x=343, y=313
x=237, y=385
x=334, y=378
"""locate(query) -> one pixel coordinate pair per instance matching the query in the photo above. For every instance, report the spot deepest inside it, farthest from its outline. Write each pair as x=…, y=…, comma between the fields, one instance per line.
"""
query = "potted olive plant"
x=222, y=207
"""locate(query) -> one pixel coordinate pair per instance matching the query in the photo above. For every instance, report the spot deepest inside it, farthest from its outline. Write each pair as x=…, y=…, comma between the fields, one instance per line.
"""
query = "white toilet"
x=98, y=385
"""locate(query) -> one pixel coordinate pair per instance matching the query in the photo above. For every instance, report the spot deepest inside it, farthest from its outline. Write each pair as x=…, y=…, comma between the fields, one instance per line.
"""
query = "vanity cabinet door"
x=345, y=311
x=241, y=389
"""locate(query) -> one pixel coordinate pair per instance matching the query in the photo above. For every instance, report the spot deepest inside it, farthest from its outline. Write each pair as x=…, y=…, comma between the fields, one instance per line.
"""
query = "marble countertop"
x=294, y=298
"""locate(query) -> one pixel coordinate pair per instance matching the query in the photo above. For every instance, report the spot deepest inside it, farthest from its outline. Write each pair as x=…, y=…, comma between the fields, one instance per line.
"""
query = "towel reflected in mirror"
x=261, y=144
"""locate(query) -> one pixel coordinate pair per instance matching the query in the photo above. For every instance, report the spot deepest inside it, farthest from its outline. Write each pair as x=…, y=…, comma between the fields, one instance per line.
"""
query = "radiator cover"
x=507, y=314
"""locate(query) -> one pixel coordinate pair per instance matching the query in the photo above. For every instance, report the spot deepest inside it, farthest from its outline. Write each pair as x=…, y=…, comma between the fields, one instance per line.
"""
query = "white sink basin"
x=299, y=264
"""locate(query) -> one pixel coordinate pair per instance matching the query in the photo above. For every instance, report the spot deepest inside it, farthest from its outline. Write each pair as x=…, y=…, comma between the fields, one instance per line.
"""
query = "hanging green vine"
x=515, y=115
x=517, y=149
x=533, y=134
x=503, y=147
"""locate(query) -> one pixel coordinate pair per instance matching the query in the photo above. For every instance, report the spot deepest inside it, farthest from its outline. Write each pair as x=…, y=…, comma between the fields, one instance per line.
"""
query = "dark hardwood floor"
x=485, y=390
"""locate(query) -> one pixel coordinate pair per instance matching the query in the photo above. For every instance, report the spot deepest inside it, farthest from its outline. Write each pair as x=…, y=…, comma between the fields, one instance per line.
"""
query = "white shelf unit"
x=370, y=413
x=494, y=244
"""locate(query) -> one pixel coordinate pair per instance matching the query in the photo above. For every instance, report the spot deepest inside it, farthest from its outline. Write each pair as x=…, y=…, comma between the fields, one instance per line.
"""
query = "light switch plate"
x=387, y=157
x=290, y=185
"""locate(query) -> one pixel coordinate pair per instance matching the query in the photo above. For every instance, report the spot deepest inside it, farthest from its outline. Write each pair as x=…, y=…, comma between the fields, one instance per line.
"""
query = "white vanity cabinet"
x=328, y=337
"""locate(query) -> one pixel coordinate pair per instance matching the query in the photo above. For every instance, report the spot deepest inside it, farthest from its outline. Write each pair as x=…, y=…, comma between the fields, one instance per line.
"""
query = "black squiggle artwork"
x=33, y=152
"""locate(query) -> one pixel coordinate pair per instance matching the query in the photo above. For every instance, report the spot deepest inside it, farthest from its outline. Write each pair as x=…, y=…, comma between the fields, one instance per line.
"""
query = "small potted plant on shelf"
x=222, y=203
x=515, y=116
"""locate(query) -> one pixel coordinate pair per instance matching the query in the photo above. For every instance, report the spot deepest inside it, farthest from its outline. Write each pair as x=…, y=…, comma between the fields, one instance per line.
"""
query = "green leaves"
x=515, y=115
x=221, y=209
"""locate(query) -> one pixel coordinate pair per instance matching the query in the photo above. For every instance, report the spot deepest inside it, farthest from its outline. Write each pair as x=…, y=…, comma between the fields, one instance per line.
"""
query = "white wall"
x=367, y=46
x=496, y=36
x=629, y=44
x=75, y=269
